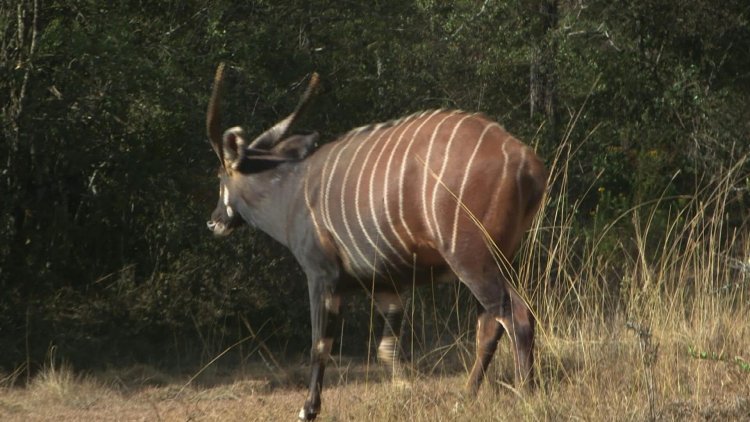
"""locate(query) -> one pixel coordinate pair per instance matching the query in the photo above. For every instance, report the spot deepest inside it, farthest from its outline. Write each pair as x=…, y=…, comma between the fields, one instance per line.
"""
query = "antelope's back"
x=418, y=189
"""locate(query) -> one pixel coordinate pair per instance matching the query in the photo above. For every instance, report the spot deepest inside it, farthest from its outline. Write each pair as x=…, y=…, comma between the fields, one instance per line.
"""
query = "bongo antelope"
x=386, y=206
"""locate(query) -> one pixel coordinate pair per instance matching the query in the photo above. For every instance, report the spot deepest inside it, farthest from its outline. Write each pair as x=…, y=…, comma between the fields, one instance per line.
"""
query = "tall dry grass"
x=647, y=316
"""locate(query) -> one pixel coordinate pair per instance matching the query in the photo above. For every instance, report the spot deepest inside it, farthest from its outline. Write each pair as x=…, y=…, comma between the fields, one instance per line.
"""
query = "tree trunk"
x=542, y=78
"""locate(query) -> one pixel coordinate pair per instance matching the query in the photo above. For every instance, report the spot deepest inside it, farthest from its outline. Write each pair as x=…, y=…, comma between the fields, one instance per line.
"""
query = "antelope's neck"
x=272, y=202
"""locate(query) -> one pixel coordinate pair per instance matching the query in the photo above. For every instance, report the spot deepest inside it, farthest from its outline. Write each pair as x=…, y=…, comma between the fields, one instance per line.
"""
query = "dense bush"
x=107, y=178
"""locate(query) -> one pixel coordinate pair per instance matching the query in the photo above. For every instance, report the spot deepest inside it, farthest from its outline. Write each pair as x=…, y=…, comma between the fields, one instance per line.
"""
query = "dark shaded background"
x=107, y=178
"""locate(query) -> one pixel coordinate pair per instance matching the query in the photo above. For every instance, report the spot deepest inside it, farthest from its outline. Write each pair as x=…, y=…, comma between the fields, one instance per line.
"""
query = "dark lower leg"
x=325, y=320
x=520, y=326
x=489, y=332
x=524, y=343
x=312, y=405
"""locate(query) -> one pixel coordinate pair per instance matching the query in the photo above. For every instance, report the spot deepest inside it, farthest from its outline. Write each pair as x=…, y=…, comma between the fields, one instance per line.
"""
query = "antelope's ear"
x=234, y=145
x=296, y=147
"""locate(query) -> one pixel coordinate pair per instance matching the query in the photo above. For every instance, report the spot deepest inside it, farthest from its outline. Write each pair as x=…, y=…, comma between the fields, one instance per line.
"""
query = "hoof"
x=309, y=411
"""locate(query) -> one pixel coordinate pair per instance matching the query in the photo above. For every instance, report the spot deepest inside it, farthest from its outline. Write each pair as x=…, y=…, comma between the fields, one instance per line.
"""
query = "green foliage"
x=699, y=354
x=107, y=178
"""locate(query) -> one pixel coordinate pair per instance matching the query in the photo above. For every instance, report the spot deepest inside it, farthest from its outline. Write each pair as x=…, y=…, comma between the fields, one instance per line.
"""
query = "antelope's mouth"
x=218, y=228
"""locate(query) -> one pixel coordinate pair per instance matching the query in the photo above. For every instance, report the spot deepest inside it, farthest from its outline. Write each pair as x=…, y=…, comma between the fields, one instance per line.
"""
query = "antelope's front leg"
x=324, y=311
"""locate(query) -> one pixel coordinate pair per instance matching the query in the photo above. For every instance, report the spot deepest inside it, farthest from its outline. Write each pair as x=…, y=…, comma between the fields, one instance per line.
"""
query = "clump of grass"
x=56, y=379
x=58, y=383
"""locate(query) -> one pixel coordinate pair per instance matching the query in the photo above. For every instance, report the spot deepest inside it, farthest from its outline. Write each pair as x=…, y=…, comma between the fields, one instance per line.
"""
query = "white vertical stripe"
x=386, y=197
x=325, y=182
x=308, y=203
x=374, y=219
x=342, y=146
x=459, y=203
x=519, y=172
x=439, y=180
x=426, y=172
x=505, y=163
x=344, y=205
x=402, y=173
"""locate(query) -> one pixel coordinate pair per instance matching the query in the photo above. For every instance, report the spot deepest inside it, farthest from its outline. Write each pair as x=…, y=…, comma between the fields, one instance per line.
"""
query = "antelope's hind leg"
x=518, y=321
x=504, y=311
x=489, y=331
x=391, y=307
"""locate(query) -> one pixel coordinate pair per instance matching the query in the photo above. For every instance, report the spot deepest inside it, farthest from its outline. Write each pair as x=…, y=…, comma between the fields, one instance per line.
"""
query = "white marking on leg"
x=512, y=337
x=479, y=330
x=387, y=349
x=332, y=303
x=324, y=348
x=402, y=174
x=459, y=202
x=439, y=180
x=388, y=301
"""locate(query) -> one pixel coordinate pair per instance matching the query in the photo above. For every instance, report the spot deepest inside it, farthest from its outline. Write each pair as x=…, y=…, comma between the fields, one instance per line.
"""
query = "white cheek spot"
x=225, y=196
x=302, y=416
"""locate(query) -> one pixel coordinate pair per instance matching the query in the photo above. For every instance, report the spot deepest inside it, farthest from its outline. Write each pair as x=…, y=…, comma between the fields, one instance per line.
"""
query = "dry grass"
x=589, y=375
